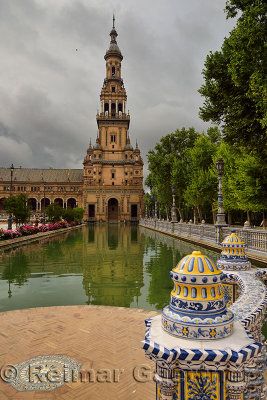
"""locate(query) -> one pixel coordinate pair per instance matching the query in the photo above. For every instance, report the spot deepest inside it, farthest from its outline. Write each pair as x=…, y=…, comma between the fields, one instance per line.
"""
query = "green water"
x=113, y=265
x=123, y=266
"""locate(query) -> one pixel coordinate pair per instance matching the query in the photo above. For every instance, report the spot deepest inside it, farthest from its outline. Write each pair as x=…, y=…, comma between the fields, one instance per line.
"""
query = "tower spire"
x=113, y=26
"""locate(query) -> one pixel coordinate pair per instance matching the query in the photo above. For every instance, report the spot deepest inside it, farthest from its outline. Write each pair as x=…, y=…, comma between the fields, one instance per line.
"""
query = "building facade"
x=110, y=185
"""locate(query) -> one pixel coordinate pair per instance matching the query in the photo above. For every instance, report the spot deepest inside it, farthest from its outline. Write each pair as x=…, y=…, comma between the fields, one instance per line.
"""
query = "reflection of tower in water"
x=113, y=265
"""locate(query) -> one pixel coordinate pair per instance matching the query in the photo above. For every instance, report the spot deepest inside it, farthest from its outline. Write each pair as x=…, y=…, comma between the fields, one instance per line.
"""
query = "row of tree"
x=235, y=94
x=21, y=212
x=187, y=159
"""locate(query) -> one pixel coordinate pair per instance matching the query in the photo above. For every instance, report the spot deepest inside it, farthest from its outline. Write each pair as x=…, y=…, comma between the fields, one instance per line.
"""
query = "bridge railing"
x=255, y=239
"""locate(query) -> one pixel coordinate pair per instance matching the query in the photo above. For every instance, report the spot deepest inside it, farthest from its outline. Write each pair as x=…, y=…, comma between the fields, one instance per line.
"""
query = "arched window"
x=120, y=108
x=113, y=109
x=113, y=71
x=106, y=109
x=126, y=156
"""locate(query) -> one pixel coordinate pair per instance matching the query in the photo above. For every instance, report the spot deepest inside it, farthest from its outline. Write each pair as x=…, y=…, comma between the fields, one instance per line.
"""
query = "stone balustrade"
x=255, y=239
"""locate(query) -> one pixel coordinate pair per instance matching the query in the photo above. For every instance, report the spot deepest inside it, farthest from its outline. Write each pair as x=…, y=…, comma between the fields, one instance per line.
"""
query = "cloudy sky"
x=49, y=92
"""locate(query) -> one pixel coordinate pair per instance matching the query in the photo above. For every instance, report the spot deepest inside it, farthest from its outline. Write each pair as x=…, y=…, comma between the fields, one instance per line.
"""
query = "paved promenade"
x=96, y=336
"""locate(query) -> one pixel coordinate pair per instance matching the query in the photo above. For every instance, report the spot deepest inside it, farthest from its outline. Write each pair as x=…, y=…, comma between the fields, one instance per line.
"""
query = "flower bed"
x=25, y=230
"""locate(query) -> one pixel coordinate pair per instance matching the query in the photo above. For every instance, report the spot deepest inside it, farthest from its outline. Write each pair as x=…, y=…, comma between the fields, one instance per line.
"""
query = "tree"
x=244, y=180
x=235, y=86
x=78, y=214
x=72, y=214
x=54, y=212
x=201, y=189
x=18, y=206
x=161, y=161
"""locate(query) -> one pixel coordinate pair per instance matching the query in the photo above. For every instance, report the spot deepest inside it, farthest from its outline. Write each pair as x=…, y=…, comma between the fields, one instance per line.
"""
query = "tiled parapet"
x=230, y=366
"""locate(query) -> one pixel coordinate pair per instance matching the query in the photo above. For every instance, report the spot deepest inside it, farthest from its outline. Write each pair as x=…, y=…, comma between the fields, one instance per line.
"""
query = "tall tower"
x=113, y=169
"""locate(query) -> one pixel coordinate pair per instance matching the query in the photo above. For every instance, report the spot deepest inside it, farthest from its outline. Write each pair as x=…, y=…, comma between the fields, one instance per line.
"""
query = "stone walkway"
x=98, y=337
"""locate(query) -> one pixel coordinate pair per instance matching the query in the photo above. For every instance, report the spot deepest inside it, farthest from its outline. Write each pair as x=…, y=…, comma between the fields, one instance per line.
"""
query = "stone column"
x=109, y=107
x=116, y=106
x=123, y=106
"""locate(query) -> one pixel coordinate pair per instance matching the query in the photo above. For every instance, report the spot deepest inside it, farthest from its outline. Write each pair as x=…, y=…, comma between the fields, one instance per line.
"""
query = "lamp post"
x=146, y=212
x=220, y=220
x=9, y=223
x=44, y=202
x=174, y=215
x=156, y=207
x=220, y=217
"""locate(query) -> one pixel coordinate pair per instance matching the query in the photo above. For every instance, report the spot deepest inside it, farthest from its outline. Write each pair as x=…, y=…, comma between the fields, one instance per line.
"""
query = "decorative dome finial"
x=113, y=48
x=197, y=309
x=233, y=256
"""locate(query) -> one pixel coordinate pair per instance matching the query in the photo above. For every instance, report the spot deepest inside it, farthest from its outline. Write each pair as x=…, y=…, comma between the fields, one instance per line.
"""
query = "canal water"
x=123, y=266
x=115, y=265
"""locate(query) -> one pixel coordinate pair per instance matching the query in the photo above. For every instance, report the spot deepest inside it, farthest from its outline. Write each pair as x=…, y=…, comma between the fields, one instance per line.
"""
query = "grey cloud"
x=49, y=92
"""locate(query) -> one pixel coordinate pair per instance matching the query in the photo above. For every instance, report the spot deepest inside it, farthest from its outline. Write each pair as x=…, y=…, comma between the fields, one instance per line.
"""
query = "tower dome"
x=233, y=256
x=197, y=309
x=113, y=47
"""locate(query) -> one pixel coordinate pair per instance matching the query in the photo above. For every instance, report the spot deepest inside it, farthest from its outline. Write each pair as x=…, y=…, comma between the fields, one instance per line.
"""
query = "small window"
x=113, y=89
x=113, y=175
x=113, y=71
x=113, y=152
x=112, y=183
x=126, y=173
x=113, y=146
x=113, y=138
x=126, y=181
x=126, y=156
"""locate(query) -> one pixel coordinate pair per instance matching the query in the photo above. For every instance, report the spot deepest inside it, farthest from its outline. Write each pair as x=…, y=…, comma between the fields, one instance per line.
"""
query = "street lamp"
x=174, y=215
x=156, y=207
x=9, y=223
x=220, y=218
x=44, y=205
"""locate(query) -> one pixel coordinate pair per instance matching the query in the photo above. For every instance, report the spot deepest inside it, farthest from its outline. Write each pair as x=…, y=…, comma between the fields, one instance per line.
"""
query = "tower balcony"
x=112, y=117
